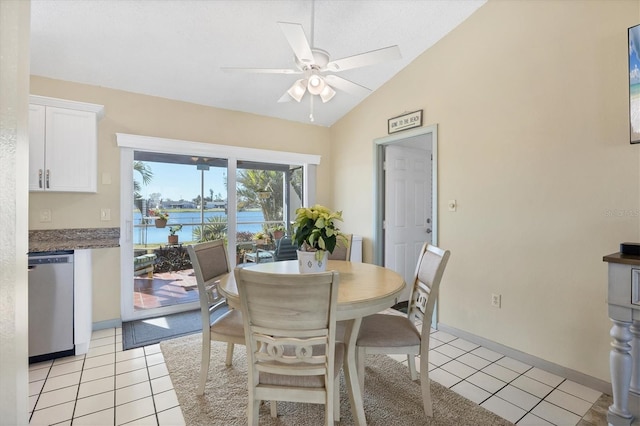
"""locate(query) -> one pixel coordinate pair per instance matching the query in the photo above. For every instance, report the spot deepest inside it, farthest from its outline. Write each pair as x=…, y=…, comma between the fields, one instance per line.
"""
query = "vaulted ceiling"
x=175, y=49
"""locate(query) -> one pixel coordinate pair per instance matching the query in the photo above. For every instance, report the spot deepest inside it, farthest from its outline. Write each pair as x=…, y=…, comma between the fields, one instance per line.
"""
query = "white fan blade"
x=261, y=70
x=346, y=85
x=298, y=41
x=365, y=59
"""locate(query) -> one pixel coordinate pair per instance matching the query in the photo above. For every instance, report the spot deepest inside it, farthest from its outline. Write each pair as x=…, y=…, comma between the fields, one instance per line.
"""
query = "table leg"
x=351, y=371
x=620, y=363
x=635, y=356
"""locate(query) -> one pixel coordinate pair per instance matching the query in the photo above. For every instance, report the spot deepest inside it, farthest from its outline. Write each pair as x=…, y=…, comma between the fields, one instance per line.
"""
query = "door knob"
x=428, y=230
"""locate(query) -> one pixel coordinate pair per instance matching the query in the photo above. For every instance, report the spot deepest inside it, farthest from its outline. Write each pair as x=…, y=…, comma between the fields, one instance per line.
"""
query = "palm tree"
x=147, y=175
x=215, y=229
x=263, y=187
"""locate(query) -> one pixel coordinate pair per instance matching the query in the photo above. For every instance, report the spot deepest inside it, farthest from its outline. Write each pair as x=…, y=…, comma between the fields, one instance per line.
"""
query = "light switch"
x=453, y=205
x=105, y=214
x=106, y=178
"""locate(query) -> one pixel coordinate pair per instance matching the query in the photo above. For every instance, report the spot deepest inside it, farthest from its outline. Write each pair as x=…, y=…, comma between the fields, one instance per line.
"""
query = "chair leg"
x=329, y=411
x=425, y=386
x=229, y=354
x=411, y=360
x=274, y=408
x=361, y=354
x=253, y=410
x=204, y=363
x=336, y=399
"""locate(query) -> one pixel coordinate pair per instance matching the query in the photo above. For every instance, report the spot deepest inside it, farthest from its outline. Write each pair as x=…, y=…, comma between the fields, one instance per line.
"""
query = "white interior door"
x=408, y=208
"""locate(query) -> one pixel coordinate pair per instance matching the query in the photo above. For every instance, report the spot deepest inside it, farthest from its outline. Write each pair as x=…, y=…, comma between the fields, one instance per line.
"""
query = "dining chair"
x=210, y=263
x=342, y=251
x=393, y=334
x=289, y=322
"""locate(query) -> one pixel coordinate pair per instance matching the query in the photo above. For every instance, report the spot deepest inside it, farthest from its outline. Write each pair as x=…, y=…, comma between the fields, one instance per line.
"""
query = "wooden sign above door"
x=405, y=121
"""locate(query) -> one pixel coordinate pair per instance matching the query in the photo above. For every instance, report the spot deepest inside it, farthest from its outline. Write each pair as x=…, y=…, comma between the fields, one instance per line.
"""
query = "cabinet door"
x=36, y=147
x=70, y=150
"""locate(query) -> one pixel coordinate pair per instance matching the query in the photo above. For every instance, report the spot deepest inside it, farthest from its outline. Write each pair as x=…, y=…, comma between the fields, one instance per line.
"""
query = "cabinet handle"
x=39, y=178
x=47, y=178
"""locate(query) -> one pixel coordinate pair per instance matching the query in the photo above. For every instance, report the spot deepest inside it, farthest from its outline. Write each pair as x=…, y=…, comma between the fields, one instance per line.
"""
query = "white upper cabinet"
x=63, y=145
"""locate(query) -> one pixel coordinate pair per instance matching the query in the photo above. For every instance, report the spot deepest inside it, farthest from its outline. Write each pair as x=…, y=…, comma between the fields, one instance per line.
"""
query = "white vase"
x=308, y=264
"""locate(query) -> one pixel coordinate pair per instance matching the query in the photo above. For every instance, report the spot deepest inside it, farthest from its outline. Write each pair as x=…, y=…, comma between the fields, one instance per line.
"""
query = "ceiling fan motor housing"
x=320, y=60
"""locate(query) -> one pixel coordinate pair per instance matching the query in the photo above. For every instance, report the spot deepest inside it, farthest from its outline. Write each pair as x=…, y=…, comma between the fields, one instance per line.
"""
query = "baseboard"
x=573, y=375
x=101, y=325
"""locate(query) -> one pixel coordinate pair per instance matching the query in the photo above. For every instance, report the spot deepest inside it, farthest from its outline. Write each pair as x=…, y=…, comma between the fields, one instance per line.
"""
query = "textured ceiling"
x=175, y=49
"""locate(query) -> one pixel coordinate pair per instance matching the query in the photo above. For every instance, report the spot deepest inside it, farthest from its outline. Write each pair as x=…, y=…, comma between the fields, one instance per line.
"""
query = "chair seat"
x=382, y=330
x=229, y=324
x=304, y=381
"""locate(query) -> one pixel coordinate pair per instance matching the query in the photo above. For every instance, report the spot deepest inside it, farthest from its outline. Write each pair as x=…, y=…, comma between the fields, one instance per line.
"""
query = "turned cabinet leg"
x=620, y=363
x=635, y=355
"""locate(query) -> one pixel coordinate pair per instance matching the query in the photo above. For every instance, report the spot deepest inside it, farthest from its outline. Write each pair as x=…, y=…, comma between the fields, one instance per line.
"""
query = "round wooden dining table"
x=364, y=289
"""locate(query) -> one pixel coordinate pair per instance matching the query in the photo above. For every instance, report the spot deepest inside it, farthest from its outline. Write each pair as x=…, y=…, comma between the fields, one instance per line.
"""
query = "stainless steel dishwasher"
x=50, y=305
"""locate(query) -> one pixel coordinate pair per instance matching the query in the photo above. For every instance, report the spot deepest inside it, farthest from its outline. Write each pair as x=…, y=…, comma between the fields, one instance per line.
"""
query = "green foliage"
x=215, y=229
x=175, y=228
x=253, y=183
x=315, y=229
x=147, y=175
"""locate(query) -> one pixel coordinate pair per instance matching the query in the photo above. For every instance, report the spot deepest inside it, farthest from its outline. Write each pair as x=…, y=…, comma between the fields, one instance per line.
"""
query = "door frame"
x=378, y=178
x=129, y=143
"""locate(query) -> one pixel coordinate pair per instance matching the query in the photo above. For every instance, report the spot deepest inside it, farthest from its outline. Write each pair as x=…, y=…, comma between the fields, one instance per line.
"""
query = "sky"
x=178, y=181
x=634, y=55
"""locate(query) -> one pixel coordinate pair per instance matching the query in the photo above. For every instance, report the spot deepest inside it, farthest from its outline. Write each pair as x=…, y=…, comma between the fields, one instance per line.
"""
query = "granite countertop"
x=73, y=239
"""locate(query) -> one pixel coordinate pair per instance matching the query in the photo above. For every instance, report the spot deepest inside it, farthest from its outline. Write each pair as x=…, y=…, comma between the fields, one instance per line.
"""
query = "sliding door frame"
x=130, y=143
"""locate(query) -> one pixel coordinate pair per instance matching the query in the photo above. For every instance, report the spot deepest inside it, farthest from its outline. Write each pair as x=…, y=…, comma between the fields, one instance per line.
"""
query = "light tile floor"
x=109, y=386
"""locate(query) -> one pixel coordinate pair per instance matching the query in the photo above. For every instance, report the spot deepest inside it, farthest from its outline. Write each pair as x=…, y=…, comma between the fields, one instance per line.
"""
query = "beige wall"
x=531, y=103
x=151, y=116
x=530, y=99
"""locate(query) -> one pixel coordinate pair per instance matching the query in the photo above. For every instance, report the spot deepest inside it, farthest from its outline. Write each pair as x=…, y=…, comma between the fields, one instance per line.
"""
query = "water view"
x=248, y=221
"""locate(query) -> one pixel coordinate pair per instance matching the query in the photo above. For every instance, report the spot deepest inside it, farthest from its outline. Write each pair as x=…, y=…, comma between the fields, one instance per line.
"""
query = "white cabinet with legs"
x=63, y=145
x=624, y=358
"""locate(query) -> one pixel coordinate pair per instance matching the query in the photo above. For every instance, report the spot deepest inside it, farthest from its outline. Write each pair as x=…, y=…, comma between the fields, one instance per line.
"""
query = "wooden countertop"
x=73, y=239
x=627, y=259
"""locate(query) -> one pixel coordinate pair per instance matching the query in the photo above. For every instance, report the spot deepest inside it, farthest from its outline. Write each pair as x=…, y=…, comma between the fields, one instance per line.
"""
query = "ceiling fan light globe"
x=316, y=84
x=327, y=94
x=297, y=90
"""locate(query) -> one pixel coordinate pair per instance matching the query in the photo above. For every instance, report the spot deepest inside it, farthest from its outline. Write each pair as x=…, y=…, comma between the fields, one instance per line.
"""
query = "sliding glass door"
x=192, y=192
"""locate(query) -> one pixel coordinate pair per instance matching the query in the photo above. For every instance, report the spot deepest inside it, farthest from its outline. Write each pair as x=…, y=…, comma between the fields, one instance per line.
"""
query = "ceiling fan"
x=316, y=67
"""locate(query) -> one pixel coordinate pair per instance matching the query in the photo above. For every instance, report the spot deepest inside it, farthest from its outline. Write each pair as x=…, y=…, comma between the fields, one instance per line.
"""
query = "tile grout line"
x=556, y=387
x=462, y=352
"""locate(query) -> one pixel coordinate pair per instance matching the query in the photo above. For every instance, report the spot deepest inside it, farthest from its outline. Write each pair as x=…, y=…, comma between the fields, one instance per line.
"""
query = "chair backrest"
x=426, y=285
x=289, y=322
x=210, y=261
x=285, y=249
x=342, y=251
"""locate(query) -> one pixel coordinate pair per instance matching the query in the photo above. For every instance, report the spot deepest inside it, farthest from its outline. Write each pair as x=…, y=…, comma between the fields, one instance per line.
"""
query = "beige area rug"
x=390, y=397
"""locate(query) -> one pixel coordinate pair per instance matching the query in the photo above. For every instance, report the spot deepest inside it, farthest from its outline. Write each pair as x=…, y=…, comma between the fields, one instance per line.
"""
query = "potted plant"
x=173, y=238
x=160, y=216
x=260, y=237
x=277, y=232
x=316, y=235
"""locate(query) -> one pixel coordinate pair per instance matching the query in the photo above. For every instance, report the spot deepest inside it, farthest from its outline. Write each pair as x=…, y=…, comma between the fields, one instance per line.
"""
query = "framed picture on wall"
x=634, y=83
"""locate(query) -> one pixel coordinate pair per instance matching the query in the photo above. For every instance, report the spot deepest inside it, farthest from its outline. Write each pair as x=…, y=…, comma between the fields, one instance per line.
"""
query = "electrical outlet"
x=496, y=300
x=45, y=215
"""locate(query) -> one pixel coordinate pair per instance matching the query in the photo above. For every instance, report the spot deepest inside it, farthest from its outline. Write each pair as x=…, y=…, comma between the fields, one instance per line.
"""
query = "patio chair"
x=285, y=250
